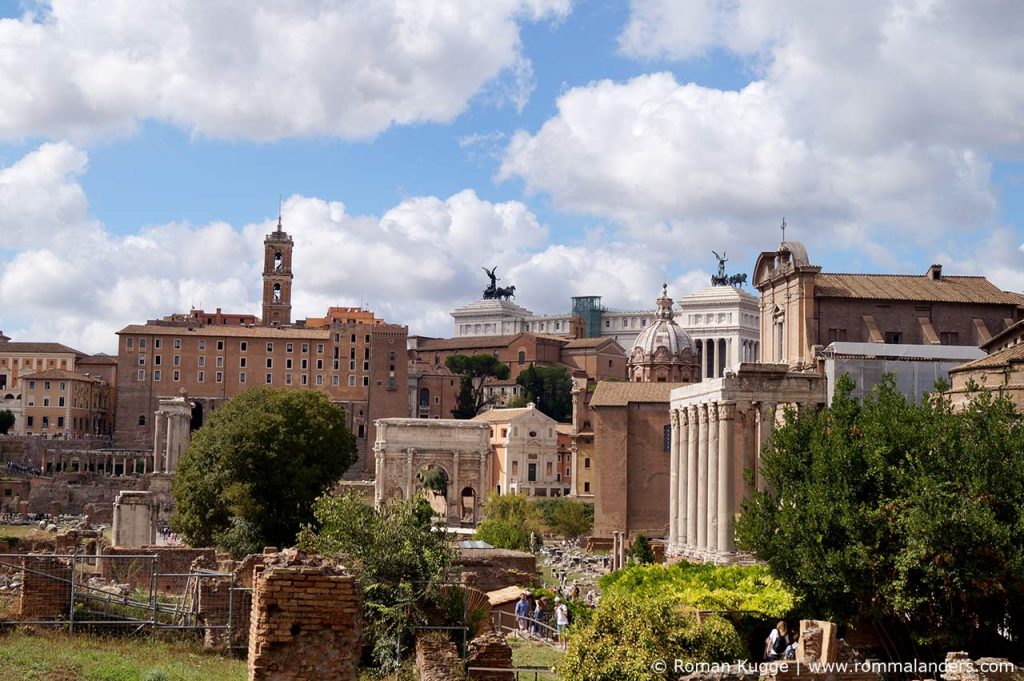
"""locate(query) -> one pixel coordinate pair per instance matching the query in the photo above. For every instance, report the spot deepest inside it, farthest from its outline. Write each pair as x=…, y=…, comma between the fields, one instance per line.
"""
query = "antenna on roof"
x=280, y=202
x=783, y=229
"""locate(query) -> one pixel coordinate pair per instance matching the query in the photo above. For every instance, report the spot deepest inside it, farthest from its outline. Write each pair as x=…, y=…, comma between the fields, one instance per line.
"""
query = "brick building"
x=803, y=309
x=64, y=403
x=357, y=359
x=524, y=443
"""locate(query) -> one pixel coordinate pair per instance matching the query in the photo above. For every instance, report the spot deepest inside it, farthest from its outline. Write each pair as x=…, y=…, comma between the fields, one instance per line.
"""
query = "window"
x=270, y=362
x=176, y=376
x=305, y=347
x=836, y=335
x=366, y=366
x=288, y=363
x=157, y=343
x=319, y=365
x=241, y=362
x=243, y=346
x=202, y=344
x=142, y=420
x=892, y=337
x=366, y=353
x=319, y=379
x=607, y=323
x=335, y=379
x=522, y=357
x=31, y=385
x=586, y=486
x=156, y=360
x=156, y=375
x=241, y=377
x=202, y=376
x=46, y=401
x=177, y=360
x=60, y=401
x=270, y=378
x=304, y=362
x=270, y=347
x=367, y=338
x=287, y=379
x=351, y=380
x=353, y=338
x=142, y=359
x=586, y=462
x=337, y=365
x=220, y=345
x=63, y=385
x=531, y=472
x=288, y=347
x=142, y=375
x=352, y=365
x=949, y=337
x=219, y=377
x=142, y=343
x=366, y=381
x=220, y=362
x=304, y=379
x=129, y=343
x=362, y=431
x=31, y=419
x=666, y=439
x=202, y=361
x=177, y=343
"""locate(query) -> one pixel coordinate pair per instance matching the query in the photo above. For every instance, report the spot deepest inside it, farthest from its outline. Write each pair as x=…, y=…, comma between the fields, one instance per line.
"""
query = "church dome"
x=662, y=351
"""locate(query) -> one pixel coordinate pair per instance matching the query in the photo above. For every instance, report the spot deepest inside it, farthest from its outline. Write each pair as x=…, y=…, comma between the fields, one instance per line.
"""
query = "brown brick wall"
x=306, y=622
x=492, y=569
x=45, y=589
x=437, y=659
x=175, y=560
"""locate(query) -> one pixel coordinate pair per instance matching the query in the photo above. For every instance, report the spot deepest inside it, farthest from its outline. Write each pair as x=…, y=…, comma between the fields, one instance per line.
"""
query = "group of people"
x=533, y=615
x=22, y=468
x=781, y=643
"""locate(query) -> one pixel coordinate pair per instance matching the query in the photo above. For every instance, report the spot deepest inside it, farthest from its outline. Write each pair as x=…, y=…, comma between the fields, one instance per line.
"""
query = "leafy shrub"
x=750, y=589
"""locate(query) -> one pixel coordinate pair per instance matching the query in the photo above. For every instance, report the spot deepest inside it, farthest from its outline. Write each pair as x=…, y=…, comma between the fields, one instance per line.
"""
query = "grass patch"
x=19, y=531
x=527, y=654
x=62, y=657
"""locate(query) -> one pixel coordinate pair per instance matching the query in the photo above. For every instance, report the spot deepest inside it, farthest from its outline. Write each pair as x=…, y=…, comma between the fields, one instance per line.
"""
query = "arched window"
x=522, y=357
x=278, y=261
x=277, y=293
x=424, y=397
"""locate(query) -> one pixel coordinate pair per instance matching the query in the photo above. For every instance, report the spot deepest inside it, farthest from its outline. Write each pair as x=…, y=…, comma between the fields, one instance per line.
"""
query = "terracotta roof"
x=1013, y=329
x=621, y=393
x=1014, y=353
x=502, y=415
x=59, y=374
x=565, y=428
x=99, y=358
x=948, y=289
x=13, y=346
x=577, y=343
x=225, y=331
x=427, y=344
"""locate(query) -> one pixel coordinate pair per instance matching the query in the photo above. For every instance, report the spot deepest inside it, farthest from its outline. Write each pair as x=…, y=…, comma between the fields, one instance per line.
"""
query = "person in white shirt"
x=561, y=619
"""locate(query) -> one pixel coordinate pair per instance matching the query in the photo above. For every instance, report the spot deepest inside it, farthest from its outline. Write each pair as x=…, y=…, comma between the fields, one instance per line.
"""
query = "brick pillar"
x=306, y=622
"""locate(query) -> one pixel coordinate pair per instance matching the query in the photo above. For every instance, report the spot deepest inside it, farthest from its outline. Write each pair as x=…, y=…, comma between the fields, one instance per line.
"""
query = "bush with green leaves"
x=401, y=557
x=640, y=551
x=568, y=518
x=509, y=521
x=908, y=517
x=252, y=473
x=738, y=588
x=626, y=636
x=7, y=420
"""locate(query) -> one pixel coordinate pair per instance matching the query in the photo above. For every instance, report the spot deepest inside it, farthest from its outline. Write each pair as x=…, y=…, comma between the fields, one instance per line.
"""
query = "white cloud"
x=873, y=122
x=262, y=71
x=78, y=283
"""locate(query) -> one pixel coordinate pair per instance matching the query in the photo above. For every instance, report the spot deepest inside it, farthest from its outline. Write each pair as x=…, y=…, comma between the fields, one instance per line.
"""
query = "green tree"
x=251, y=474
x=572, y=518
x=509, y=521
x=6, y=421
x=435, y=480
x=908, y=517
x=640, y=551
x=627, y=635
x=401, y=559
x=550, y=388
x=474, y=370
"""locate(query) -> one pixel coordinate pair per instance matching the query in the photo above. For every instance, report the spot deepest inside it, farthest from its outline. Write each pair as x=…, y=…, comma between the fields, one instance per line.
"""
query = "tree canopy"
x=908, y=517
x=474, y=370
x=401, y=559
x=550, y=388
x=509, y=521
x=251, y=474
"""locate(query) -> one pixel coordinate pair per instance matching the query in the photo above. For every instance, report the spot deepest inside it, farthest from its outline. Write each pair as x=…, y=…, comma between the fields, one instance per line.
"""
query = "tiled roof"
x=429, y=344
x=947, y=289
x=621, y=393
x=1014, y=353
x=578, y=343
x=269, y=332
x=501, y=415
x=58, y=374
x=99, y=358
x=14, y=346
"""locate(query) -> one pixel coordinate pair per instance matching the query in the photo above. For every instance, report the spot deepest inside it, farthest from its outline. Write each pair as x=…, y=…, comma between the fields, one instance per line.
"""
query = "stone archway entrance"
x=467, y=506
x=433, y=480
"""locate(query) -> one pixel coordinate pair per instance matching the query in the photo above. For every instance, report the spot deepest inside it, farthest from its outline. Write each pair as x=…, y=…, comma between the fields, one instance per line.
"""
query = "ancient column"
x=456, y=491
x=702, y=477
x=410, y=453
x=692, y=477
x=682, y=444
x=485, y=481
x=766, y=421
x=726, y=478
x=157, y=449
x=673, y=483
x=378, y=477
x=712, y=479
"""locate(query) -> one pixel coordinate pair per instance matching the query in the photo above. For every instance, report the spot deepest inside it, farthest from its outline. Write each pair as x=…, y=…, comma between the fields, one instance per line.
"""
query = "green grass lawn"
x=17, y=530
x=80, y=657
x=526, y=654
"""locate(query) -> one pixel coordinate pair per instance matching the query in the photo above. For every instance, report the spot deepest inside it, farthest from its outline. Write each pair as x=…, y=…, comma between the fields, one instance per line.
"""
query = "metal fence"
x=122, y=593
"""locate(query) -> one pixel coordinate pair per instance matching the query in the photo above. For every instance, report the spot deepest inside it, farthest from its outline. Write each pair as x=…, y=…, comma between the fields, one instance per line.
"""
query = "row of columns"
x=172, y=431
x=750, y=351
x=714, y=356
x=712, y=444
x=618, y=550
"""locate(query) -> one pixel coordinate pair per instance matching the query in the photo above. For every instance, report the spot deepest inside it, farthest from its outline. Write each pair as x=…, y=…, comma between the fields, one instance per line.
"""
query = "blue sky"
x=584, y=148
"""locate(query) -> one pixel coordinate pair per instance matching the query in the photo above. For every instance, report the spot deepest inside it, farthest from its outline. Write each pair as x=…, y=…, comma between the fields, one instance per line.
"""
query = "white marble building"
x=724, y=323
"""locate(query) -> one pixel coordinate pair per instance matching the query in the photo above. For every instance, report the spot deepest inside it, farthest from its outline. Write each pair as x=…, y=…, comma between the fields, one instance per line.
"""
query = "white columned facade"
x=726, y=479
x=702, y=476
x=711, y=519
x=690, y=513
x=673, y=476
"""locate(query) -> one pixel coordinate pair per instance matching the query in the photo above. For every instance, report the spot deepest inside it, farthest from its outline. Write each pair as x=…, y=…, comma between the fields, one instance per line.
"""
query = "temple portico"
x=718, y=428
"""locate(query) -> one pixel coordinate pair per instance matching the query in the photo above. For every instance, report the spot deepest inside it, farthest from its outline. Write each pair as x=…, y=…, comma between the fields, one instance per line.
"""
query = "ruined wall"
x=492, y=569
x=76, y=493
x=137, y=572
x=306, y=621
x=489, y=650
x=437, y=659
x=45, y=589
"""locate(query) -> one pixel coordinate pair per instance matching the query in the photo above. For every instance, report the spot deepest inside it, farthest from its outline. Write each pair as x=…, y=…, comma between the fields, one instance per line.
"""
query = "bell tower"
x=277, y=278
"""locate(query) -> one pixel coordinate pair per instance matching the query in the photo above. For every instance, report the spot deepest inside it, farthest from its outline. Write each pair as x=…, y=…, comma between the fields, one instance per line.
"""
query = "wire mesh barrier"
x=122, y=593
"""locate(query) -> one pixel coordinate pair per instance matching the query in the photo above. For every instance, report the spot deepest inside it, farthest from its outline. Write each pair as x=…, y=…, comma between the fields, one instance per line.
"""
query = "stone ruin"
x=134, y=519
